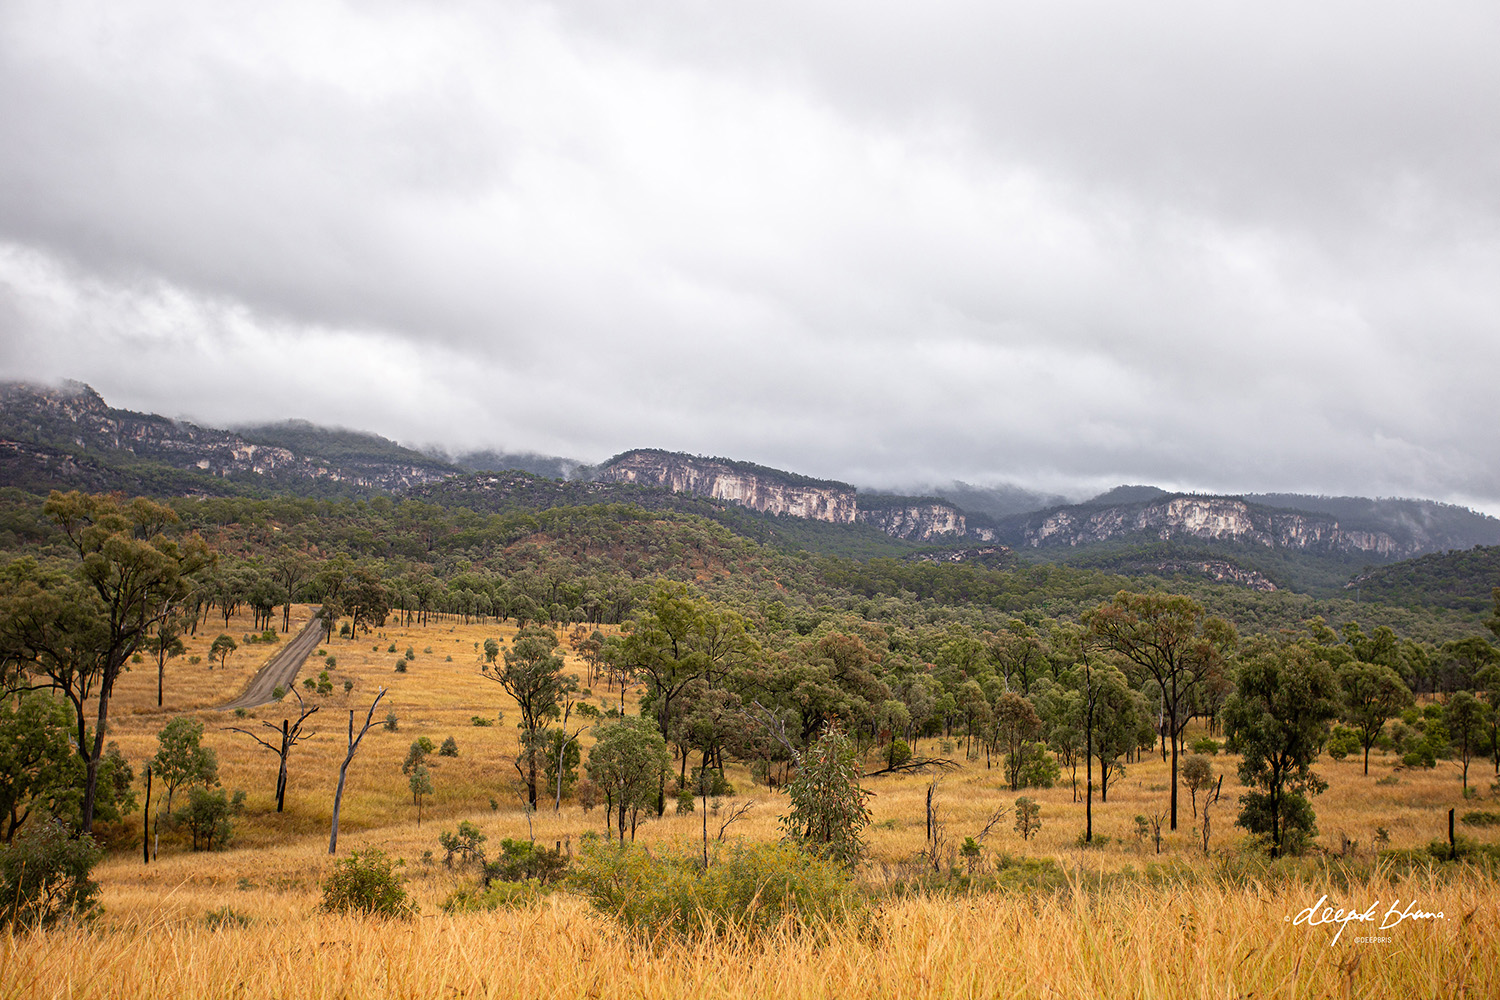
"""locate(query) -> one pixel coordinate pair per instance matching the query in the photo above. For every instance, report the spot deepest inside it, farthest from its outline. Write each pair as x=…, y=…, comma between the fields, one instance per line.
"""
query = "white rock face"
x=922, y=521
x=718, y=481
x=773, y=493
x=1209, y=518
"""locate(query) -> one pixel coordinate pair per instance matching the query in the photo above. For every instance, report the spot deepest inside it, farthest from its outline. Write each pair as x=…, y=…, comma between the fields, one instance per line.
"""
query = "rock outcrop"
x=1218, y=519
x=772, y=491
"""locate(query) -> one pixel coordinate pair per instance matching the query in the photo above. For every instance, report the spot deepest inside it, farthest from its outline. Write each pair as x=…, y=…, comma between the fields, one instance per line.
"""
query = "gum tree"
x=1172, y=639
x=75, y=633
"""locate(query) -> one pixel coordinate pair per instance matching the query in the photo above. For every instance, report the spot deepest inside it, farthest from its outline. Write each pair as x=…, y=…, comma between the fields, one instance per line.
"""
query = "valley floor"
x=1182, y=923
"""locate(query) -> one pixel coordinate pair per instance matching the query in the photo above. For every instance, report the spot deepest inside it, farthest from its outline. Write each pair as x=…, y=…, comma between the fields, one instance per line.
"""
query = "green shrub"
x=1480, y=818
x=400, y=666
x=1343, y=742
x=209, y=817
x=897, y=753
x=684, y=802
x=44, y=876
x=521, y=861
x=392, y=649
x=449, y=748
x=467, y=844
x=368, y=883
x=411, y=654
x=1040, y=770
x=479, y=720
x=1207, y=746
x=749, y=888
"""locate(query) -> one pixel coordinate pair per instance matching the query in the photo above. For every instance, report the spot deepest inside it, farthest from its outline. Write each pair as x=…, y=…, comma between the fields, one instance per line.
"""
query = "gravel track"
x=281, y=669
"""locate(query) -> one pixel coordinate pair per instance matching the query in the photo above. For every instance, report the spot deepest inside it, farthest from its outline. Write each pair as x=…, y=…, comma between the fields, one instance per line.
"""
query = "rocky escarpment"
x=772, y=491
x=918, y=518
x=75, y=419
x=764, y=490
x=1216, y=519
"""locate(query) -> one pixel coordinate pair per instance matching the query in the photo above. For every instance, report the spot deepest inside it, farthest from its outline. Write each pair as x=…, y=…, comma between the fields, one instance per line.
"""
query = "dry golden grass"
x=1203, y=941
x=1210, y=938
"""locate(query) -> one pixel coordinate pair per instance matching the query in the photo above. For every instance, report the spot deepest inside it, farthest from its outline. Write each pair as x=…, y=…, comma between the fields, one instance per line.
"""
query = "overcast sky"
x=1218, y=246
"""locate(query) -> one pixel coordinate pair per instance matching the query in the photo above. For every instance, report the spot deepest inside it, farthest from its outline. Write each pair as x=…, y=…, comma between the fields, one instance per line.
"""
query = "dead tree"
x=338, y=795
x=291, y=733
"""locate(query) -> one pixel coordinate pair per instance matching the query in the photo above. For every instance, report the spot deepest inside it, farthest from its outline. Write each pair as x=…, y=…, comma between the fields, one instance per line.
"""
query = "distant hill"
x=1417, y=525
x=67, y=437
x=1463, y=581
x=340, y=445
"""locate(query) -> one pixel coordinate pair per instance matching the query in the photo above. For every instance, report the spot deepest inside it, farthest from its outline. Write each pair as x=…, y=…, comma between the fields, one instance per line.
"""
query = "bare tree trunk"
x=338, y=795
x=145, y=821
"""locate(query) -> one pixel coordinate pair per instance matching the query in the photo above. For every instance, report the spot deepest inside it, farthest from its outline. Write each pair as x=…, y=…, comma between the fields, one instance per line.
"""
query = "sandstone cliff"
x=1220, y=519
x=772, y=491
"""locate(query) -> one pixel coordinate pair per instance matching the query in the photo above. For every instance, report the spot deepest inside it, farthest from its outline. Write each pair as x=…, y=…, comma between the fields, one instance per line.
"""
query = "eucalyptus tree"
x=1172, y=639
x=76, y=632
x=1278, y=720
x=532, y=674
x=1370, y=693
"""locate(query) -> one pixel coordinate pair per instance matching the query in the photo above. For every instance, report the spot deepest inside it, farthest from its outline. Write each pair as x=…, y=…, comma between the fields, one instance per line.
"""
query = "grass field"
x=1183, y=929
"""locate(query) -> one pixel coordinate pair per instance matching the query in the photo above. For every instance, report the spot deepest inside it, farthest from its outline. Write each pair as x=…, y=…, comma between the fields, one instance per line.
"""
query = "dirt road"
x=282, y=668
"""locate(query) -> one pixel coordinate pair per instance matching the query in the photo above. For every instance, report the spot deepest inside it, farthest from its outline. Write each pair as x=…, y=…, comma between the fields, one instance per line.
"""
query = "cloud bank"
x=1071, y=245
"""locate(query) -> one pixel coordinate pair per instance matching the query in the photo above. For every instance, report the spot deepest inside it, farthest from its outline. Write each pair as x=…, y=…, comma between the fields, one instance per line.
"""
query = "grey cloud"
x=1075, y=244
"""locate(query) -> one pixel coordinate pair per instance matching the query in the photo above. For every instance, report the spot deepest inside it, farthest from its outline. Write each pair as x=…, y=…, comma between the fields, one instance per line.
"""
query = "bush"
x=684, y=801
x=1343, y=742
x=278, y=693
x=749, y=888
x=479, y=720
x=521, y=861
x=1040, y=770
x=467, y=844
x=1480, y=818
x=449, y=748
x=897, y=753
x=392, y=648
x=400, y=666
x=44, y=876
x=1207, y=746
x=208, y=817
x=391, y=723
x=368, y=883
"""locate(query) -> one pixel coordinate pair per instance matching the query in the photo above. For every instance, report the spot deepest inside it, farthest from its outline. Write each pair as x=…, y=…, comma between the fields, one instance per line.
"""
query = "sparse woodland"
x=655, y=757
